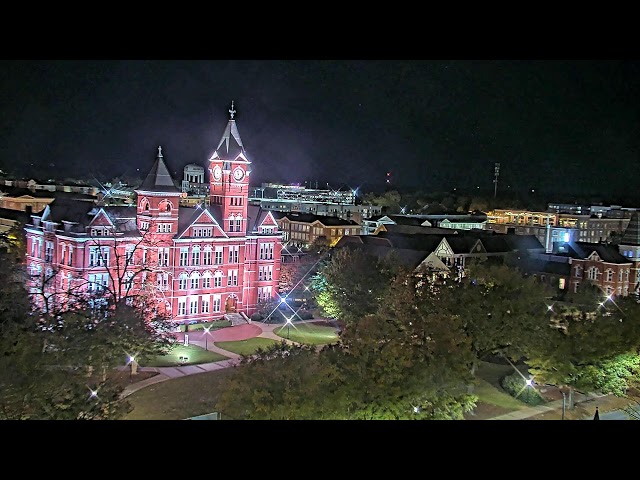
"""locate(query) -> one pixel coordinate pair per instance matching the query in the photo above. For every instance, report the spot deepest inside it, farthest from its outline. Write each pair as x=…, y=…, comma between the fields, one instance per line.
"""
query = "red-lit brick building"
x=199, y=263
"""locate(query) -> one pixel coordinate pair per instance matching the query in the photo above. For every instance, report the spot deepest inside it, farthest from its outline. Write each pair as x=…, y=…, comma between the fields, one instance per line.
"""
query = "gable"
x=478, y=247
x=385, y=219
x=101, y=220
x=426, y=223
x=268, y=221
x=443, y=249
x=198, y=227
x=594, y=256
x=432, y=262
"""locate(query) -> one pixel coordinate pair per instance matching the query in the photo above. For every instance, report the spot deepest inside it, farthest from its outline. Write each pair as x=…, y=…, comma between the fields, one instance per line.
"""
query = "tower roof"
x=230, y=145
x=159, y=179
x=632, y=233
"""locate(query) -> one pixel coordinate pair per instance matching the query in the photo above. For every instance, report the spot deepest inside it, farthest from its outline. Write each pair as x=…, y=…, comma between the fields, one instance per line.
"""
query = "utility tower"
x=496, y=172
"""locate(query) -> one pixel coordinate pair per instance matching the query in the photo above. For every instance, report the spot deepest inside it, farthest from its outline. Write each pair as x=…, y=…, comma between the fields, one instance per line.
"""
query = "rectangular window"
x=218, y=255
x=238, y=225
x=195, y=283
x=70, y=257
x=232, y=278
x=266, y=251
x=233, y=253
x=205, y=306
x=33, y=247
x=206, y=257
x=144, y=255
x=63, y=250
x=182, y=306
x=193, y=307
x=195, y=257
x=206, y=282
x=129, y=254
x=144, y=226
x=216, y=303
x=184, y=256
x=217, y=282
x=48, y=253
x=164, y=228
x=163, y=257
x=264, y=294
x=39, y=248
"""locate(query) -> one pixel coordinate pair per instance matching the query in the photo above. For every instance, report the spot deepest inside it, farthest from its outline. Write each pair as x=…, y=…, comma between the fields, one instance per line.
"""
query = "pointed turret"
x=230, y=145
x=159, y=179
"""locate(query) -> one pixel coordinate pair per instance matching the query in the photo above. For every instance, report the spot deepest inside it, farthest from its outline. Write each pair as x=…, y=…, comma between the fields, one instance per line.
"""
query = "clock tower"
x=229, y=180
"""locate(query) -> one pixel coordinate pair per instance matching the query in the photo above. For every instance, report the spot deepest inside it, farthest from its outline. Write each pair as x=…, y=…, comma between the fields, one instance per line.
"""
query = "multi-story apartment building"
x=555, y=229
x=197, y=263
x=302, y=229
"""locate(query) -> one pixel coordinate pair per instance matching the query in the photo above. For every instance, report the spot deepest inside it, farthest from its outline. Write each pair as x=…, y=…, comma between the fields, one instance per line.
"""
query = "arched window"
x=195, y=280
x=217, y=278
x=144, y=205
x=206, y=280
x=609, y=275
x=182, y=281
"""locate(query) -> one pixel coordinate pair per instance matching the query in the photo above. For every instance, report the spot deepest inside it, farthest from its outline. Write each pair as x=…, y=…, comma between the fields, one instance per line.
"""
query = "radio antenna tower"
x=496, y=171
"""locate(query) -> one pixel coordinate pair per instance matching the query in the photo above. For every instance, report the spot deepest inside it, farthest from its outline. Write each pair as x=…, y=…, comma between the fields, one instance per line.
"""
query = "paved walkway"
x=239, y=332
x=532, y=411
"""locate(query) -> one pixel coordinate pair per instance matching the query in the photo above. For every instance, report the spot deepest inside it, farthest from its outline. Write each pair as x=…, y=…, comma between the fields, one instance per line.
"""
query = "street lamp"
x=206, y=334
x=288, y=325
x=132, y=360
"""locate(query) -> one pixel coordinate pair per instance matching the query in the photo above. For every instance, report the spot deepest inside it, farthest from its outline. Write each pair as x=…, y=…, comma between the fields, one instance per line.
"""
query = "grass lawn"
x=246, y=347
x=193, y=353
x=308, y=333
x=178, y=398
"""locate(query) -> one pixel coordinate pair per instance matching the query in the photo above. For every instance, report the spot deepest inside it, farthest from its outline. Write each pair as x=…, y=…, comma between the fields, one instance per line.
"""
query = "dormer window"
x=100, y=231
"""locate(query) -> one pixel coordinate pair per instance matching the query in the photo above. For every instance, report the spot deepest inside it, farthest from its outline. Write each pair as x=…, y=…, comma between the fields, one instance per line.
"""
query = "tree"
x=589, y=351
x=502, y=309
x=408, y=360
x=281, y=382
x=351, y=284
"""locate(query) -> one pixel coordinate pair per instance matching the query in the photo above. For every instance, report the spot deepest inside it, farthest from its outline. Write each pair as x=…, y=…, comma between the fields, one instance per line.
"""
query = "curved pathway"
x=239, y=332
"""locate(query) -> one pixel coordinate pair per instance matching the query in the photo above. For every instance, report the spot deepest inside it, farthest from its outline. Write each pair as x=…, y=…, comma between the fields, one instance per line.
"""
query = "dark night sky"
x=555, y=126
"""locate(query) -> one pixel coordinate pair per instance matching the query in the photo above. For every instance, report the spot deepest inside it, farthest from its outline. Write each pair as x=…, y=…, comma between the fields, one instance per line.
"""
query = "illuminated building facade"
x=198, y=263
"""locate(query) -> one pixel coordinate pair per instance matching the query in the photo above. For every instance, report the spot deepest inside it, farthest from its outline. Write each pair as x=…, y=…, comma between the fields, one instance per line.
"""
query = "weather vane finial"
x=232, y=111
x=159, y=152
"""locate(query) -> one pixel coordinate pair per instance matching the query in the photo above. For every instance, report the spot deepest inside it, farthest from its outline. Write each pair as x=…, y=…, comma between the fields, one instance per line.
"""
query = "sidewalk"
x=532, y=411
x=167, y=373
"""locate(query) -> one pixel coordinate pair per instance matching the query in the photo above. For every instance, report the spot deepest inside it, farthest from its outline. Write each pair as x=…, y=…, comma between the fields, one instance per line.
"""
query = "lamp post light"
x=288, y=325
x=564, y=402
x=132, y=361
x=206, y=334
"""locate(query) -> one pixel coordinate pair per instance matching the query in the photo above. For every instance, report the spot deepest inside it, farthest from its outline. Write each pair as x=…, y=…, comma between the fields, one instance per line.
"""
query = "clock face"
x=238, y=174
x=217, y=172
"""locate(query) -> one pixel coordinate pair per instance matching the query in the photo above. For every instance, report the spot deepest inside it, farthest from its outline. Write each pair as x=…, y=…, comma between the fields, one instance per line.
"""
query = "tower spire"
x=232, y=111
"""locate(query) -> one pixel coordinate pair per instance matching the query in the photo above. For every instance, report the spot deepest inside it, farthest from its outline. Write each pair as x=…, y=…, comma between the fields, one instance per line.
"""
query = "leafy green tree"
x=501, y=309
x=54, y=366
x=281, y=382
x=407, y=360
x=590, y=350
x=352, y=284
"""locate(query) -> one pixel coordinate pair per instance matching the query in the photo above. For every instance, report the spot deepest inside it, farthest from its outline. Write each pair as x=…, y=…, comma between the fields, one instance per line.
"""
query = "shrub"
x=305, y=315
x=256, y=317
x=516, y=386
